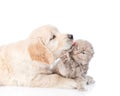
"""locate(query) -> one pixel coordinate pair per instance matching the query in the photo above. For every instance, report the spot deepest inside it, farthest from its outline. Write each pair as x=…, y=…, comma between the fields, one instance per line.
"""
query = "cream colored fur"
x=27, y=62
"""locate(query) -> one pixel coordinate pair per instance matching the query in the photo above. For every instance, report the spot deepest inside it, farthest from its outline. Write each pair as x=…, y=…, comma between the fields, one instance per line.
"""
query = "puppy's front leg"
x=53, y=81
x=54, y=65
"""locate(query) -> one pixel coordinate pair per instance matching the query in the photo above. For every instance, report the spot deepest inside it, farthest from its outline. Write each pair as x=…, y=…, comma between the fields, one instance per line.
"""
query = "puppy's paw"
x=65, y=83
x=81, y=87
x=81, y=84
x=71, y=84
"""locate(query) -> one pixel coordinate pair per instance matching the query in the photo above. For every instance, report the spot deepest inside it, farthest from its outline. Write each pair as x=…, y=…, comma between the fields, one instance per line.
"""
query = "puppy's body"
x=27, y=62
x=16, y=65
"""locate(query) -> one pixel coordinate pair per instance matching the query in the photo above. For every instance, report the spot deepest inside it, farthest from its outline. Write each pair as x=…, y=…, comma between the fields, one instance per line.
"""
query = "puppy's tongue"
x=74, y=43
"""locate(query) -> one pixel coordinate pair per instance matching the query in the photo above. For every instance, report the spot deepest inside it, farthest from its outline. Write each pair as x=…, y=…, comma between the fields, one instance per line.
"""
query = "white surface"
x=24, y=91
x=97, y=21
x=15, y=91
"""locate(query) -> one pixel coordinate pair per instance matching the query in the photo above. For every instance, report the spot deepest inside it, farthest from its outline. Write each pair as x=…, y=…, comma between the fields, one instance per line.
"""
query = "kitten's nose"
x=70, y=36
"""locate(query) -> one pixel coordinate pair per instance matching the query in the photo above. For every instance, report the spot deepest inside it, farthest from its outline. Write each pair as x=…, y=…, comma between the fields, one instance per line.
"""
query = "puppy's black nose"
x=70, y=36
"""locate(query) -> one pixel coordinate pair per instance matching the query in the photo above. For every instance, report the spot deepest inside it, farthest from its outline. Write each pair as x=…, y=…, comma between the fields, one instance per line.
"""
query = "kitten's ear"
x=39, y=52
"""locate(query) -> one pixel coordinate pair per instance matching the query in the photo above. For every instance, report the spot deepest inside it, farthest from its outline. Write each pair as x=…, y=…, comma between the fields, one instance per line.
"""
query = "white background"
x=97, y=21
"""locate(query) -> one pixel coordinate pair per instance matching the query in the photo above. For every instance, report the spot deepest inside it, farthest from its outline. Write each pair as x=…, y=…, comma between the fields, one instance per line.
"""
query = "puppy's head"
x=48, y=43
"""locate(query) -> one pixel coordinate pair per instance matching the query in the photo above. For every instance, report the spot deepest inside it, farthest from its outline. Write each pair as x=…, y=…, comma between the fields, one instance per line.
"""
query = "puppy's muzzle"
x=70, y=36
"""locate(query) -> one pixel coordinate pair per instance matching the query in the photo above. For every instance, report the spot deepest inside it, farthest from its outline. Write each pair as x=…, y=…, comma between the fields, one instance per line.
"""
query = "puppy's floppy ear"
x=39, y=52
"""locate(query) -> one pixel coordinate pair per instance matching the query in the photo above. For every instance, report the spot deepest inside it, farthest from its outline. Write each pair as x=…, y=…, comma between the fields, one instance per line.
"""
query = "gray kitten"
x=74, y=63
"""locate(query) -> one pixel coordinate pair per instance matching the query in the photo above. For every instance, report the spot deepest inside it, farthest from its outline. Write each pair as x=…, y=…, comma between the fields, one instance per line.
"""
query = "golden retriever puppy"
x=27, y=62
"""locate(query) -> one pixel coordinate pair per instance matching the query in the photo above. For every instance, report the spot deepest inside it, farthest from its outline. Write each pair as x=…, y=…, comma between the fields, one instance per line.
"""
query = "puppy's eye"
x=53, y=37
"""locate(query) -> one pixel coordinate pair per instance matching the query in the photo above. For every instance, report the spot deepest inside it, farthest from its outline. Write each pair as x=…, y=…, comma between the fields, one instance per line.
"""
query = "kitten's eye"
x=83, y=52
x=53, y=37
